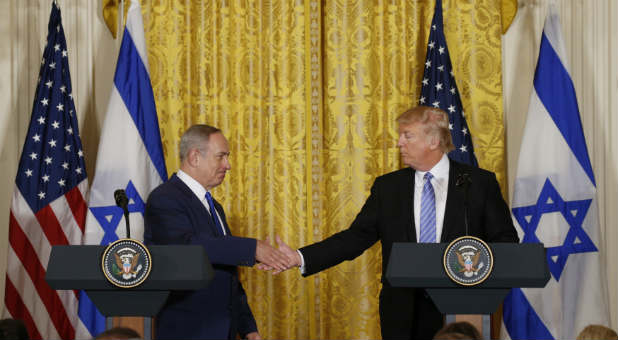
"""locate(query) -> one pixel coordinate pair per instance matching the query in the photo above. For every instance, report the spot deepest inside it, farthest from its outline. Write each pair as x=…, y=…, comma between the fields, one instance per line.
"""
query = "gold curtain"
x=307, y=92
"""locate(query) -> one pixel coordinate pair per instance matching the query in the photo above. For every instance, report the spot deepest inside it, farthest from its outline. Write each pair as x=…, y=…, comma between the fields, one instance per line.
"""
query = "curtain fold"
x=307, y=93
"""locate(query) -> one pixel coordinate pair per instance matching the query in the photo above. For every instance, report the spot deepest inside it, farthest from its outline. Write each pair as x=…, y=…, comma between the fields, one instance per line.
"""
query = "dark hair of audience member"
x=458, y=330
x=597, y=332
x=118, y=333
x=13, y=329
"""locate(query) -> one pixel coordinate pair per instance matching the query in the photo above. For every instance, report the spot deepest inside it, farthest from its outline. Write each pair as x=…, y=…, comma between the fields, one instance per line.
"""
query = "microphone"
x=464, y=181
x=123, y=202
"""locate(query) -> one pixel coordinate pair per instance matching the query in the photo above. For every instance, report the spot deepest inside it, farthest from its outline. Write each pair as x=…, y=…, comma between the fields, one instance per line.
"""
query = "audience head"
x=458, y=330
x=597, y=332
x=13, y=329
x=118, y=333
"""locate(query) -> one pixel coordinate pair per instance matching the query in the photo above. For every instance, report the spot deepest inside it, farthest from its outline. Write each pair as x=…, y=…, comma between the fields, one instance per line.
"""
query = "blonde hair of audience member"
x=118, y=333
x=435, y=122
x=597, y=332
x=458, y=330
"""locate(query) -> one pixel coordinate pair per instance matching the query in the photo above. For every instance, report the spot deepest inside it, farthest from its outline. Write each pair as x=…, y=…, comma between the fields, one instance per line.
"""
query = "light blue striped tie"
x=428, y=212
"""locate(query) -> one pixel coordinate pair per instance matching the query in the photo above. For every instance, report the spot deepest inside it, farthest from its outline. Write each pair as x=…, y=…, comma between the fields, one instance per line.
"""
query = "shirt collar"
x=194, y=185
x=439, y=171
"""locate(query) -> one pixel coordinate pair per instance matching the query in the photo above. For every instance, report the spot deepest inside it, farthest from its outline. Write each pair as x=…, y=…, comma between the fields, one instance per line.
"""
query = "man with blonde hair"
x=423, y=202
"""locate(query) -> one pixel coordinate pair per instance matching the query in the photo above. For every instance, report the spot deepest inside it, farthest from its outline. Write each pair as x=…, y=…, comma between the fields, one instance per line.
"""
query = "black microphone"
x=123, y=201
x=464, y=181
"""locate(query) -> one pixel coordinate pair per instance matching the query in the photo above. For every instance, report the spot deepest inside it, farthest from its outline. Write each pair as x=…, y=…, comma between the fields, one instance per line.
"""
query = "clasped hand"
x=276, y=260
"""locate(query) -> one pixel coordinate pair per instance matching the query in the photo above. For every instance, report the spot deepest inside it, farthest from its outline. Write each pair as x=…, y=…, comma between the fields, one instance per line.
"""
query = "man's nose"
x=400, y=141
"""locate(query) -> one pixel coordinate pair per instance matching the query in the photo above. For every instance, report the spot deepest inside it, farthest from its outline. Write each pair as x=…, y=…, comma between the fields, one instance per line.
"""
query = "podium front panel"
x=421, y=265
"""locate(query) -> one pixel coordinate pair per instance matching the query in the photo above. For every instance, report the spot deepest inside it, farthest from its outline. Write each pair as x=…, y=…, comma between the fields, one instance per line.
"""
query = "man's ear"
x=434, y=142
x=193, y=158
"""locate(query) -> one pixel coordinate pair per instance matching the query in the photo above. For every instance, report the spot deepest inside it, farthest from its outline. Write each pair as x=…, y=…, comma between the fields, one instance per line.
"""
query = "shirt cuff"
x=302, y=262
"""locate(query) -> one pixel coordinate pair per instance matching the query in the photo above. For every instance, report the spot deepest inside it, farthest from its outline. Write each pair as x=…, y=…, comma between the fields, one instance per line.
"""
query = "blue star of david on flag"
x=574, y=212
x=110, y=216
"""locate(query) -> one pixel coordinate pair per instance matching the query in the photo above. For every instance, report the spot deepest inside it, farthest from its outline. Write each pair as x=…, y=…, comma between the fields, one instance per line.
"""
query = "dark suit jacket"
x=387, y=216
x=174, y=215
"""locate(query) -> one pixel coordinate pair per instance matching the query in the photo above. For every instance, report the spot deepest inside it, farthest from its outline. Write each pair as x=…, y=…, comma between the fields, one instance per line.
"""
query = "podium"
x=420, y=265
x=174, y=267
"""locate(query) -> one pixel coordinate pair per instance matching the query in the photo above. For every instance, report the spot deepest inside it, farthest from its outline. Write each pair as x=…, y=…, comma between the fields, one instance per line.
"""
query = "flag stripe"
x=563, y=109
x=66, y=220
x=92, y=319
x=53, y=230
x=27, y=255
x=16, y=307
x=133, y=84
x=78, y=206
x=529, y=325
x=28, y=294
x=23, y=218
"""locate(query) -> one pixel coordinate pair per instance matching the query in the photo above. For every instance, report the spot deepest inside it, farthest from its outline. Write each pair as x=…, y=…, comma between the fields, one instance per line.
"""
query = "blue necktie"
x=213, y=212
x=428, y=212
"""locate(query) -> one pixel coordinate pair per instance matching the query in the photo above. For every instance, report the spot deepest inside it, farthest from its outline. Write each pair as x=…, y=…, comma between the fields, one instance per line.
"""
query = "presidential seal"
x=126, y=263
x=468, y=261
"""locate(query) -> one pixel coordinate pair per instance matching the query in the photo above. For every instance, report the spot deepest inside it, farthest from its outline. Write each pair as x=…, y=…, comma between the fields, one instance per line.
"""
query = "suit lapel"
x=196, y=204
x=453, y=212
x=223, y=219
x=407, y=204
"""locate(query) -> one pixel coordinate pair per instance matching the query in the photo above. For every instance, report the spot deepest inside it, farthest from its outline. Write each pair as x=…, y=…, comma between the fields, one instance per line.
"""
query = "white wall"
x=590, y=31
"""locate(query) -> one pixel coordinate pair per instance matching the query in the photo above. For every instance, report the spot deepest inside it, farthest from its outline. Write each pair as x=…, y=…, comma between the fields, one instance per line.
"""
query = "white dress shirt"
x=199, y=191
x=440, y=189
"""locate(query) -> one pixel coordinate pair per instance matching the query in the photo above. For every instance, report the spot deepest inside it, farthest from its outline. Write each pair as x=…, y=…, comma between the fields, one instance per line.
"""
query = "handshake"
x=276, y=260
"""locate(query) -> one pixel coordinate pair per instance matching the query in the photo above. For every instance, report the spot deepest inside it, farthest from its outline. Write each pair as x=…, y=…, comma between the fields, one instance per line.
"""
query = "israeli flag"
x=130, y=153
x=554, y=202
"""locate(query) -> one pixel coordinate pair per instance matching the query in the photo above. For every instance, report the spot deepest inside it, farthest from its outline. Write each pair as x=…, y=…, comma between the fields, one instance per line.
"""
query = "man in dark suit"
x=182, y=211
x=421, y=203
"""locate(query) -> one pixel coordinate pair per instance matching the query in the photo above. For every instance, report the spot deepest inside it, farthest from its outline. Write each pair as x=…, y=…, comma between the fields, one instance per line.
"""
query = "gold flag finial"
x=110, y=14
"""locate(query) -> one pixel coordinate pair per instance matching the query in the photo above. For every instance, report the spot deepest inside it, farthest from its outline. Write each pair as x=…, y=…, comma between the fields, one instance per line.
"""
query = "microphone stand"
x=123, y=202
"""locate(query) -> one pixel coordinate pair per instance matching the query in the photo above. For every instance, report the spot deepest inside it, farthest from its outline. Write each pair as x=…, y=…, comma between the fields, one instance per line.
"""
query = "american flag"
x=439, y=89
x=48, y=205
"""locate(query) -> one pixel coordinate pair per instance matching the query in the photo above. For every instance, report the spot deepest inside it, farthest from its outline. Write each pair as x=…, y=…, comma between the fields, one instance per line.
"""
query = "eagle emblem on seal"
x=128, y=265
x=469, y=258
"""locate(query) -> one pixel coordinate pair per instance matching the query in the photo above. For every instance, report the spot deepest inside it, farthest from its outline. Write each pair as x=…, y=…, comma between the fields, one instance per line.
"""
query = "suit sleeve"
x=168, y=221
x=498, y=222
x=347, y=244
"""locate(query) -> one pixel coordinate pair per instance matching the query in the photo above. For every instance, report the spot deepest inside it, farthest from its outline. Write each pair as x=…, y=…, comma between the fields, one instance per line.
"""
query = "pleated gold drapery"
x=307, y=93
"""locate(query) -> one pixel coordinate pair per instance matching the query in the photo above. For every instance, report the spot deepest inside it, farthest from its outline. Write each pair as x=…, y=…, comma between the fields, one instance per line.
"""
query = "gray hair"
x=196, y=137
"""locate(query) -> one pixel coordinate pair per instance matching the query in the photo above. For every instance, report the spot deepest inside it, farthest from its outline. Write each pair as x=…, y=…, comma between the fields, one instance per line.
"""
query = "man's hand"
x=270, y=256
x=292, y=255
x=254, y=336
